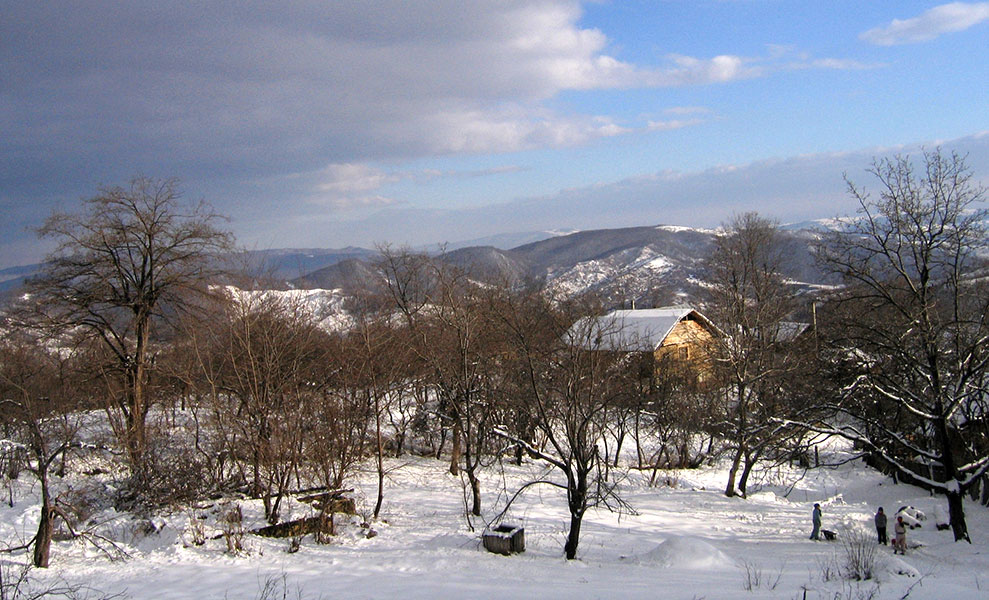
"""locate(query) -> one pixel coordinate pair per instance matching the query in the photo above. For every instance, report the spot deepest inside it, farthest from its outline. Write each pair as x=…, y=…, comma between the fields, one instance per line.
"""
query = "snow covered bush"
x=912, y=517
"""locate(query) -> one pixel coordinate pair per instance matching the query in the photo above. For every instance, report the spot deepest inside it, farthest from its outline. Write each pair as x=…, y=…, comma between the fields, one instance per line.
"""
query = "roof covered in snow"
x=641, y=330
x=791, y=330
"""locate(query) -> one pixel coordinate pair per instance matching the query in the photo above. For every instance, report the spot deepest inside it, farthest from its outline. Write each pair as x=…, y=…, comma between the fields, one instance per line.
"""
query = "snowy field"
x=686, y=540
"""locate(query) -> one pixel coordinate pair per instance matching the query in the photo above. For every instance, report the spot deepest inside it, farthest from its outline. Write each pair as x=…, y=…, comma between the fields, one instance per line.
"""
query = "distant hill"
x=344, y=274
x=488, y=263
x=649, y=266
x=292, y=263
x=12, y=278
x=504, y=241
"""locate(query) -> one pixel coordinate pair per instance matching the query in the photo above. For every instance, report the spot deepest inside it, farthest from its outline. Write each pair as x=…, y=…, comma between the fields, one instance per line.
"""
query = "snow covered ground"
x=687, y=541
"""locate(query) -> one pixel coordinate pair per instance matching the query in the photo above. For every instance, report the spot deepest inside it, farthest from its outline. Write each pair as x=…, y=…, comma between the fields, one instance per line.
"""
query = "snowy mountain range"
x=650, y=266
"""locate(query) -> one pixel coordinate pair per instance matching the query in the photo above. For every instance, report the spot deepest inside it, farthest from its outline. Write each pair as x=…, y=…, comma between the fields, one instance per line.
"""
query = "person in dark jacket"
x=816, y=534
x=881, y=526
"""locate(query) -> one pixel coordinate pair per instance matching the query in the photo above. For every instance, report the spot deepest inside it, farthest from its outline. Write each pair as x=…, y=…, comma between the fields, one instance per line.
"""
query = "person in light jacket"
x=816, y=516
x=881, y=526
x=900, y=541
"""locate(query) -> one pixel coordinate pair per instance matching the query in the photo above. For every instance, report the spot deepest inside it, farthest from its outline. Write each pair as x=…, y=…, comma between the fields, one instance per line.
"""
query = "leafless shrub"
x=853, y=590
x=860, y=556
x=174, y=474
x=13, y=457
x=275, y=587
x=197, y=530
x=829, y=568
x=82, y=502
x=755, y=578
x=16, y=583
x=327, y=528
x=232, y=525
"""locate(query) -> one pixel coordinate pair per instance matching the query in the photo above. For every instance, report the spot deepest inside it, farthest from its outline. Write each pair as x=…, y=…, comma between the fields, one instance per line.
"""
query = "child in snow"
x=816, y=534
x=881, y=526
x=900, y=541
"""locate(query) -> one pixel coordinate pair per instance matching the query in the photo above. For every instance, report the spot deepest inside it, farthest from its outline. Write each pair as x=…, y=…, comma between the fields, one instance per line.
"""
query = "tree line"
x=207, y=387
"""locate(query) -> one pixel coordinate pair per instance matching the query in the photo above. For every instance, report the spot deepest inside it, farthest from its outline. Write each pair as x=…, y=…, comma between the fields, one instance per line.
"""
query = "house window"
x=683, y=352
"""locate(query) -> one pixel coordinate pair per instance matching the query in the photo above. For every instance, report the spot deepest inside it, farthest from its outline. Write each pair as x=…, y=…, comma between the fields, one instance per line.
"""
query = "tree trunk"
x=743, y=481
x=638, y=439
x=618, y=446
x=439, y=449
x=381, y=454
x=732, y=473
x=457, y=449
x=43, y=541
x=573, y=537
x=957, y=515
x=134, y=440
x=577, y=493
x=955, y=493
x=137, y=409
x=475, y=490
x=273, y=515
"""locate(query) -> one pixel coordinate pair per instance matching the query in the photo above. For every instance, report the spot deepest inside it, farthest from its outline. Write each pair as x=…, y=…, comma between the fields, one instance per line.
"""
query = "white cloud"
x=842, y=64
x=350, y=177
x=349, y=186
x=510, y=129
x=946, y=18
x=688, y=70
x=354, y=202
x=687, y=110
x=672, y=124
x=431, y=174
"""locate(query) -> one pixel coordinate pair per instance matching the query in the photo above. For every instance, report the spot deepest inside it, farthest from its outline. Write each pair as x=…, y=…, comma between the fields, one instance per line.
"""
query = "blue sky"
x=325, y=124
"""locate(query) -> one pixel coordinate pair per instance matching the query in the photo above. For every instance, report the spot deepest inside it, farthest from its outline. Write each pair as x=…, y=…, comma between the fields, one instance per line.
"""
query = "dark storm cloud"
x=262, y=88
x=259, y=106
x=227, y=94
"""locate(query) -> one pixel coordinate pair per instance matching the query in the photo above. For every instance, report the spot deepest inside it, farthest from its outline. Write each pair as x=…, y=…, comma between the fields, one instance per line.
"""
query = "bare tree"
x=567, y=387
x=129, y=258
x=377, y=355
x=912, y=321
x=35, y=397
x=750, y=300
x=446, y=315
x=460, y=356
x=672, y=411
x=263, y=369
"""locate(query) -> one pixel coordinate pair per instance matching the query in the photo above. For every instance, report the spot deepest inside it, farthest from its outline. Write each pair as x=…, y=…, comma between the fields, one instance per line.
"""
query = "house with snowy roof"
x=673, y=337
